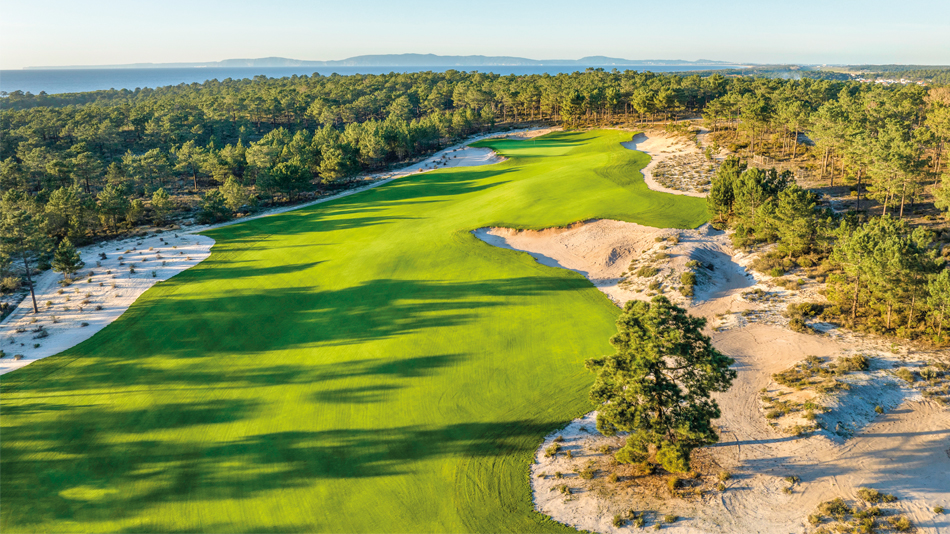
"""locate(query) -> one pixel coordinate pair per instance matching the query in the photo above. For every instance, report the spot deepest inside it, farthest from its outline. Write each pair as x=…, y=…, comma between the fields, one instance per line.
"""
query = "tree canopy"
x=658, y=384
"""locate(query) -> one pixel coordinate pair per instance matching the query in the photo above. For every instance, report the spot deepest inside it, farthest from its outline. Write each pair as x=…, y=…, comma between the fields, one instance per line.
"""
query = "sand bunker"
x=903, y=451
x=607, y=253
x=676, y=165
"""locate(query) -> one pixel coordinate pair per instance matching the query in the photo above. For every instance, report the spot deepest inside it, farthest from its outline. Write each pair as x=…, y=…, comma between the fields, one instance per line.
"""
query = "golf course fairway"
x=362, y=365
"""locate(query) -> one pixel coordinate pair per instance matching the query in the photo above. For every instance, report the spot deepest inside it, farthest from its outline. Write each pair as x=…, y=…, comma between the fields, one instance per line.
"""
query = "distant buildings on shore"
x=886, y=81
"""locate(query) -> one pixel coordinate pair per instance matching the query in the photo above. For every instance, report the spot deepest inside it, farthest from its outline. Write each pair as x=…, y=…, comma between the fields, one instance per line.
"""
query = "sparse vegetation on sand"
x=361, y=365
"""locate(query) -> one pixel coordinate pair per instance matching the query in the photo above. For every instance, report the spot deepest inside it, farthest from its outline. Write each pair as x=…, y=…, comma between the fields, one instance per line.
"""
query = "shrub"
x=688, y=278
x=9, y=283
x=937, y=509
x=797, y=324
x=874, y=496
x=647, y=271
x=724, y=476
x=630, y=455
x=858, y=362
x=551, y=452
x=670, y=518
x=674, y=483
x=836, y=508
x=906, y=374
x=900, y=524
x=618, y=521
x=878, y=409
x=776, y=272
x=587, y=473
x=929, y=373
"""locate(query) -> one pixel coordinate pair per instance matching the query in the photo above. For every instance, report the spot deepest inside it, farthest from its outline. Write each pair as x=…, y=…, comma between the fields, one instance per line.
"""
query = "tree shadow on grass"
x=74, y=468
x=349, y=212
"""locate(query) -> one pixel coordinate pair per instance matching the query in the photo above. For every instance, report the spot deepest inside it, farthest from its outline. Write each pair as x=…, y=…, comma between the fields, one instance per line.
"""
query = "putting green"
x=362, y=365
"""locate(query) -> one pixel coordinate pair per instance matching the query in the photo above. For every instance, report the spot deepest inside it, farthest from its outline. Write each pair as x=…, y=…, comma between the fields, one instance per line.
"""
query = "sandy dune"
x=904, y=451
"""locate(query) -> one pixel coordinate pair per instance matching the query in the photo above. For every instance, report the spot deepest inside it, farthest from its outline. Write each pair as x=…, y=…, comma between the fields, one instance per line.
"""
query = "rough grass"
x=363, y=365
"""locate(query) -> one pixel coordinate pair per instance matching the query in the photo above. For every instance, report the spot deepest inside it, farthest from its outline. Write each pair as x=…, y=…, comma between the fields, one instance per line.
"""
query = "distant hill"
x=408, y=60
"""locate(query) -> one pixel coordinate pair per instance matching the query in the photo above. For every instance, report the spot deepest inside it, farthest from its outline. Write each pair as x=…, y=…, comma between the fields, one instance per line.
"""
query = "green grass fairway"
x=363, y=365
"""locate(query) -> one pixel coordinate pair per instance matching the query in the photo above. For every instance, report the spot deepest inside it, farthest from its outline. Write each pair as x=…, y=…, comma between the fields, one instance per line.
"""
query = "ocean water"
x=80, y=80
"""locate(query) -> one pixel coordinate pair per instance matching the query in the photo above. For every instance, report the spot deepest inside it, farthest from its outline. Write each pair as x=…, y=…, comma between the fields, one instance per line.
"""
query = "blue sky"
x=61, y=32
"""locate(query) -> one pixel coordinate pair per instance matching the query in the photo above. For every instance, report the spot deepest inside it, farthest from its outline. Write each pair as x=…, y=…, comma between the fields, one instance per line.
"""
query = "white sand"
x=65, y=328
x=662, y=147
x=904, y=452
x=602, y=250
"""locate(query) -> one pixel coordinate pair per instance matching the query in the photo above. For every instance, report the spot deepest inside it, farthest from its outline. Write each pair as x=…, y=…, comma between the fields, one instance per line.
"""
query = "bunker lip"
x=57, y=329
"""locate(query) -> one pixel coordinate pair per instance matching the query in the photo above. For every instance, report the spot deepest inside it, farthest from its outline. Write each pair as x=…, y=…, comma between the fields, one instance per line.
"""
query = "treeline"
x=883, y=275
x=101, y=161
x=92, y=164
x=889, y=142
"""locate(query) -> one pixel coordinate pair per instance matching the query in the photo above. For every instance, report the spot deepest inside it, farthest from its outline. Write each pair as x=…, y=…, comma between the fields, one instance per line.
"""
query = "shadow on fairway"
x=337, y=215
x=230, y=323
x=200, y=471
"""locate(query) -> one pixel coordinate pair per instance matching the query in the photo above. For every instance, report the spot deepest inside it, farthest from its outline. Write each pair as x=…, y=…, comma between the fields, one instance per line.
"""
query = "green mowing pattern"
x=363, y=365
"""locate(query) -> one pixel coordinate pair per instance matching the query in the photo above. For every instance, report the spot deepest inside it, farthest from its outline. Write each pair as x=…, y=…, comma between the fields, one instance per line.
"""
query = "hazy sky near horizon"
x=104, y=32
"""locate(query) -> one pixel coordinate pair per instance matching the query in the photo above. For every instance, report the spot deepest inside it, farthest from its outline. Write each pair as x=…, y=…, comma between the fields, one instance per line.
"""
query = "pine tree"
x=66, y=259
x=657, y=385
x=22, y=236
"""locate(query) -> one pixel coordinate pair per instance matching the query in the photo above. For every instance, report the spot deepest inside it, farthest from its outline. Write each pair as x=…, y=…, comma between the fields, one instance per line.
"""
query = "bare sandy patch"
x=102, y=291
x=777, y=477
x=677, y=165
